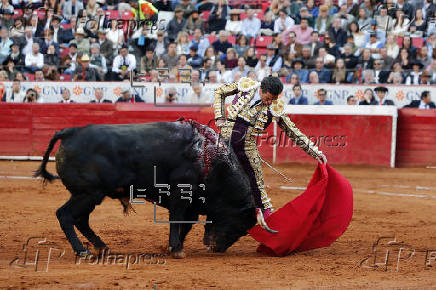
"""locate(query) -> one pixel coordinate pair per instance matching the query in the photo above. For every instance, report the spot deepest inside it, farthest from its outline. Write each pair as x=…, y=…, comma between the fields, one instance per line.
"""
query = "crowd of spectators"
x=345, y=41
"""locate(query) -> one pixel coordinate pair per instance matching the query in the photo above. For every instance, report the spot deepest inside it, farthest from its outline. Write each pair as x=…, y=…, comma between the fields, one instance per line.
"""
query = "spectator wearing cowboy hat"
x=273, y=60
x=81, y=42
x=425, y=78
x=84, y=72
x=415, y=74
x=298, y=69
x=60, y=36
x=381, y=93
x=234, y=24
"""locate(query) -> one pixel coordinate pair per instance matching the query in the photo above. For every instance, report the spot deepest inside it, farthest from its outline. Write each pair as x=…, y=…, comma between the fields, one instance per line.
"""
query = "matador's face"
x=267, y=97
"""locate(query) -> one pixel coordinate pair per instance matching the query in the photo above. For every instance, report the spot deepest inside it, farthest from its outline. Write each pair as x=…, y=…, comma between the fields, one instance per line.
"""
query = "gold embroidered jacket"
x=258, y=116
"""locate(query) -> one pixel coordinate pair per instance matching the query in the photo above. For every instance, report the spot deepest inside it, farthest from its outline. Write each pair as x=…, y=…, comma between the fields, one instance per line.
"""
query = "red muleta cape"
x=314, y=219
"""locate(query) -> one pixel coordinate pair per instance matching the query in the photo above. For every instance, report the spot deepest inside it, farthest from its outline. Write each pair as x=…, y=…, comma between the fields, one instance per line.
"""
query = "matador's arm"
x=302, y=141
x=220, y=97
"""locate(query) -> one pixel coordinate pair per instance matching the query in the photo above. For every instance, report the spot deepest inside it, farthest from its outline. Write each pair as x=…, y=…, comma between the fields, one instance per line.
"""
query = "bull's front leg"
x=175, y=243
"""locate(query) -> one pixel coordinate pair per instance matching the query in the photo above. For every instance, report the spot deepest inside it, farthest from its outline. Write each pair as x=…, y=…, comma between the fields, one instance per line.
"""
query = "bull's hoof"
x=178, y=255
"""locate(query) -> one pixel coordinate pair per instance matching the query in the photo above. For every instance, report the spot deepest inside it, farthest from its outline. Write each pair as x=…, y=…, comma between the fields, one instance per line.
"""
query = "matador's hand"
x=322, y=158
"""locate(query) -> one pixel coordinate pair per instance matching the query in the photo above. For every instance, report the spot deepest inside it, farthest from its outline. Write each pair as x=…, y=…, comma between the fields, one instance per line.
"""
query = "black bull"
x=106, y=160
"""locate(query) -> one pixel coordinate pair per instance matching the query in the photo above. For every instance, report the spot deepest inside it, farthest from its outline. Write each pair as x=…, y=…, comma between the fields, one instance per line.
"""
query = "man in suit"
x=66, y=97
x=68, y=34
x=127, y=97
x=106, y=47
x=424, y=103
x=47, y=41
x=387, y=60
x=380, y=76
x=222, y=43
x=298, y=98
x=337, y=34
x=324, y=75
x=315, y=44
x=349, y=58
x=406, y=7
x=60, y=36
x=16, y=56
x=16, y=95
x=381, y=93
x=352, y=8
x=98, y=93
x=322, y=94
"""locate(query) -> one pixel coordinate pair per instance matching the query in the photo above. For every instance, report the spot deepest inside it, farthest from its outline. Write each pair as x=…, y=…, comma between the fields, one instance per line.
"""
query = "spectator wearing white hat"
x=86, y=73
x=81, y=42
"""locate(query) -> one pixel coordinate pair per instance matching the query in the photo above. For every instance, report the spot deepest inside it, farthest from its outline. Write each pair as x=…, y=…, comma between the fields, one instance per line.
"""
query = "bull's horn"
x=262, y=222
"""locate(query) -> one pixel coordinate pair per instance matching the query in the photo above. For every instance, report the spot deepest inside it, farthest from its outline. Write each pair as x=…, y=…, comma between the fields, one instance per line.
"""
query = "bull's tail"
x=42, y=171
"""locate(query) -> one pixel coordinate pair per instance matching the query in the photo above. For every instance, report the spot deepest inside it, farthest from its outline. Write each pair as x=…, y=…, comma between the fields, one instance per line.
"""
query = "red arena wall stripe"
x=346, y=139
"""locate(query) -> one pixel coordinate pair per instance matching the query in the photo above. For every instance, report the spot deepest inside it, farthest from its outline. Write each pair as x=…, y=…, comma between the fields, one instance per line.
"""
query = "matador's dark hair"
x=425, y=94
x=272, y=84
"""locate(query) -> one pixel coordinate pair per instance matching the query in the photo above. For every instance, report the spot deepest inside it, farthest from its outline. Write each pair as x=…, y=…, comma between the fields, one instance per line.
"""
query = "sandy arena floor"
x=387, y=203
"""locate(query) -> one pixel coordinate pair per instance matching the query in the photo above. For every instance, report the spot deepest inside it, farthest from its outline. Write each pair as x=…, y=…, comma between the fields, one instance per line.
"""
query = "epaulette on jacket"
x=247, y=84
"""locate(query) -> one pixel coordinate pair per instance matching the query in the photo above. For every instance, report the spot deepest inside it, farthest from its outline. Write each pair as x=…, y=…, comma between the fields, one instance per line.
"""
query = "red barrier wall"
x=416, y=138
x=344, y=139
x=25, y=130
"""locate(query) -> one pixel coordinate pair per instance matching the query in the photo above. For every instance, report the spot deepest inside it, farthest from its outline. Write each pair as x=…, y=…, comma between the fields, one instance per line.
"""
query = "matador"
x=247, y=119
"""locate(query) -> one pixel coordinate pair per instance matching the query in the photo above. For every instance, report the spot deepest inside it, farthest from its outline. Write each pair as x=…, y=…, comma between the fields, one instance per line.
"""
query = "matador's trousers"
x=243, y=142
